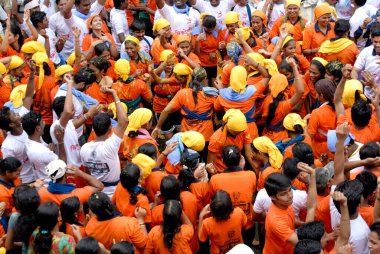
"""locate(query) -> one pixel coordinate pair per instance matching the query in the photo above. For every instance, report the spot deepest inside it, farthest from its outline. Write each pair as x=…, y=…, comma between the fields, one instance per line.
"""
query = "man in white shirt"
x=362, y=11
x=119, y=23
x=182, y=18
x=277, y=7
x=101, y=156
x=137, y=30
x=84, y=9
x=245, y=9
x=343, y=8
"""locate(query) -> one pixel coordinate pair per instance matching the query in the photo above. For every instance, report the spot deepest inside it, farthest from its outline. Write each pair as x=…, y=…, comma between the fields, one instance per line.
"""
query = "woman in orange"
x=12, y=40
x=130, y=90
x=316, y=72
x=185, y=54
x=247, y=40
x=102, y=50
x=71, y=208
x=174, y=235
x=31, y=47
x=138, y=62
x=259, y=23
x=276, y=106
x=166, y=39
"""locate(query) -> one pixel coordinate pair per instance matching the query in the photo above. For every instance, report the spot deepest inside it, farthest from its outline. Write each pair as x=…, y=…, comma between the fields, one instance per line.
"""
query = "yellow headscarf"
x=71, y=59
x=182, y=38
x=183, y=69
x=277, y=84
x=134, y=40
x=145, y=163
x=321, y=60
x=321, y=10
x=333, y=47
x=40, y=58
x=232, y=17
x=293, y=119
x=287, y=39
x=160, y=24
x=238, y=79
x=112, y=107
x=246, y=33
x=293, y=2
x=235, y=120
x=265, y=145
x=268, y=64
x=138, y=118
x=193, y=140
x=17, y=95
x=61, y=70
x=332, y=9
x=16, y=62
x=32, y=47
x=165, y=54
x=3, y=69
x=289, y=28
x=350, y=88
x=202, y=16
x=122, y=68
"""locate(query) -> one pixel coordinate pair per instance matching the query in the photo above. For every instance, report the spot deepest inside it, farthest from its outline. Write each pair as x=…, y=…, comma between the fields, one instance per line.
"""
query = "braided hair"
x=129, y=179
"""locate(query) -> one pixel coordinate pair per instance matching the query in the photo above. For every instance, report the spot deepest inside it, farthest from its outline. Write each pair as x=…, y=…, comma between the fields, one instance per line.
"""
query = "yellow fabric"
x=182, y=38
x=3, y=250
x=289, y=28
x=350, y=88
x=293, y=2
x=112, y=107
x=145, y=163
x=235, y=120
x=165, y=54
x=321, y=10
x=293, y=119
x=261, y=15
x=16, y=62
x=246, y=33
x=160, y=24
x=40, y=58
x=17, y=95
x=321, y=60
x=193, y=140
x=32, y=47
x=61, y=70
x=122, y=68
x=232, y=17
x=134, y=40
x=265, y=145
x=277, y=84
x=332, y=47
x=332, y=10
x=268, y=64
x=71, y=59
x=238, y=79
x=183, y=69
x=287, y=39
x=138, y=118
x=3, y=69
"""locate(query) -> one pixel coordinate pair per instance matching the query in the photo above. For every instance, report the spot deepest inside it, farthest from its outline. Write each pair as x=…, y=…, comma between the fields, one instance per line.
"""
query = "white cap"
x=56, y=169
x=241, y=249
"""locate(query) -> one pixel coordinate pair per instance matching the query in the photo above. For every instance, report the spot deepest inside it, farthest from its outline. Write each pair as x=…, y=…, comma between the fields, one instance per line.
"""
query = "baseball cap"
x=332, y=139
x=56, y=169
x=324, y=175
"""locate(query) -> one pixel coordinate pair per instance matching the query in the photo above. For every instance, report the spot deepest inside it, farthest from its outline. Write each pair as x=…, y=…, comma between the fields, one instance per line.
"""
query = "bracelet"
x=142, y=224
x=116, y=102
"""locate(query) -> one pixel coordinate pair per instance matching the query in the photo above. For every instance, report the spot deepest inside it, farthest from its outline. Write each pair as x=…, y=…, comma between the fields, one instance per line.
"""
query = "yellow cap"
x=193, y=140
x=235, y=120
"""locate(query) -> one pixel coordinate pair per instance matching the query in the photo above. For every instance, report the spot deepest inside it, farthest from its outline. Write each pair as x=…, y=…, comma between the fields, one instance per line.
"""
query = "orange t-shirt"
x=303, y=63
x=275, y=31
x=42, y=102
x=291, y=90
x=153, y=182
x=207, y=47
x=181, y=241
x=111, y=70
x=184, y=99
x=346, y=56
x=201, y=191
x=157, y=48
x=224, y=235
x=276, y=131
x=279, y=226
x=83, y=195
x=322, y=213
x=263, y=174
x=151, y=4
x=162, y=92
x=121, y=199
x=69, y=231
x=91, y=38
x=193, y=57
x=139, y=64
x=11, y=52
x=131, y=145
x=94, y=91
x=6, y=193
x=367, y=213
x=313, y=37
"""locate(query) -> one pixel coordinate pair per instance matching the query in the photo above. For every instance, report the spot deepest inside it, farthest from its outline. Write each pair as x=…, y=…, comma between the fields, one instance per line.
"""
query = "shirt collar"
x=232, y=169
x=7, y=184
x=319, y=30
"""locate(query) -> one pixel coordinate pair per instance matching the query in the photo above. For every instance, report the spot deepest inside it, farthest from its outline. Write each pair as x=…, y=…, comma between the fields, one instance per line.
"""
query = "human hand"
x=222, y=45
x=305, y=168
x=107, y=90
x=368, y=79
x=291, y=62
x=76, y=31
x=366, y=22
x=345, y=249
x=140, y=213
x=200, y=37
x=170, y=147
x=27, y=15
x=205, y=211
x=94, y=110
x=339, y=197
x=346, y=71
x=181, y=53
x=265, y=37
x=76, y=231
x=342, y=131
x=211, y=168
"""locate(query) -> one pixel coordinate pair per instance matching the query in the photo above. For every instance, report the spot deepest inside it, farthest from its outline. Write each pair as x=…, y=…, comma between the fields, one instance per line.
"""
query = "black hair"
x=30, y=121
x=320, y=67
x=186, y=178
x=148, y=149
x=341, y=27
x=123, y=247
x=307, y=246
x=100, y=63
x=196, y=85
x=133, y=134
x=361, y=113
x=272, y=108
x=137, y=25
x=353, y=191
x=85, y=75
x=231, y=155
x=129, y=179
x=117, y=3
x=37, y=17
x=360, y=3
x=369, y=150
x=275, y=183
x=312, y=230
x=5, y=119
x=375, y=227
x=26, y=201
x=335, y=68
x=287, y=43
x=59, y=105
x=15, y=30
x=100, y=48
x=69, y=206
x=87, y=245
x=284, y=65
x=304, y=153
x=369, y=180
x=101, y=124
x=290, y=168
x=9, y=164
x=170, y=188
x=375, y=30
x=221, y=206
x=209, y=22
x=47, y=218
x=101, y=205
x=172, y=221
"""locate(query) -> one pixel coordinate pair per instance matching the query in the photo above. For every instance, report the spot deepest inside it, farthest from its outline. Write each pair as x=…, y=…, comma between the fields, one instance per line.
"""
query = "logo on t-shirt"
x=96, y=167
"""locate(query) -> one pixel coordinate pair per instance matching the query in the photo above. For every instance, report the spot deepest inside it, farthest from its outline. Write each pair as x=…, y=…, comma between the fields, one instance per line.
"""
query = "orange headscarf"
x=261, y=15
x=321, y=10
x=277, y=84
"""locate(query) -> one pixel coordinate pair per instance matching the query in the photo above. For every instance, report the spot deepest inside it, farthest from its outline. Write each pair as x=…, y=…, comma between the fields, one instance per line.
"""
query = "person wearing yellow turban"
x=185, y=54
x=3, y=71
x=252, y=63
x=193, y=140
x=232, y=18
x=260, y=14
x=270, y=158
x=165, y=54
x=31, y=47
x=112, y=107
x=17, y=96
x=71, y=59
x=62, y=70
x=122, y=69
x=137, y=60
x=15, y=62
x=238, y=79
x=182, y=73
x=160, y=24
x=145, y=163
x=39, y=59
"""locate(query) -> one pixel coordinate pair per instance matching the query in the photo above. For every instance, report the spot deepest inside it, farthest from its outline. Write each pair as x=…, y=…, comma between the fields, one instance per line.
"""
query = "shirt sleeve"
x=335, y=215
x=117, y=24
x=361, y=60
x=167, y=13
x=112, y=144
x=259, y=205
x=137, y=236
x=281, y=229
x=96, y=8
x=201, y=5
x=313, y=124
x=203, y=232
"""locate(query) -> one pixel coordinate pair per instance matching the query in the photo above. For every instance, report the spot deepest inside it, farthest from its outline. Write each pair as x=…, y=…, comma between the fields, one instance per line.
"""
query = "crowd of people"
x=161, y=126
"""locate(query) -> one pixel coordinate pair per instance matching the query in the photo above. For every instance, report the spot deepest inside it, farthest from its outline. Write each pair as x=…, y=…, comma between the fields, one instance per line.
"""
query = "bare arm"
x=197, y=48
x=59, y=134
x=122, y=120
x=339, y=107
x=68, y=108
x=297, y=82
x=77, y=47
x=344, y=226
x=339, y=159
x=32, y=29
x=5, y=43
x=311, y=202
x=93, y=183
x=29, y=93
x=160, y=4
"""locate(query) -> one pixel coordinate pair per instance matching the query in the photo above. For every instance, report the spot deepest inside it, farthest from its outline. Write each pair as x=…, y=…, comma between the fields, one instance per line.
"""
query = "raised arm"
x=280, y=41
x=68, y=107
x=344, y=226
x=32, y=29
x=5, y=43
x=339, y=107
x=376, y=207
x=67, y=8
x=77, y=47
x=160, y=4
x=311, y=202
x=245, y=45
x=342, y=132
x=93, y=183
x=297, y=82
x=29, y=93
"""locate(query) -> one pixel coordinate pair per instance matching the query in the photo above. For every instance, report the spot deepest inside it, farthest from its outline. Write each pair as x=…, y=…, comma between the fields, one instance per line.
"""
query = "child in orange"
x=166, y=39
x=9, y=178
x=71, y=209
x=225, y=226
x=185, y=54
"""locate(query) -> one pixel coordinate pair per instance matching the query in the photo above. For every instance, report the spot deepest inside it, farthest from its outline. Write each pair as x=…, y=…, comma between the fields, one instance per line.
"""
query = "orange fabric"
x=275, y=31
x=322, y=213
x=224, y=235
x=291, y=90
x=216, y=146
x=132, y=90
x=153, y=182
x=157, y=48
x=115, y=230
x=283, y=108
x=299, y=185
x=313, y=39
x=279, y=226
x=42, y=102
x=288, y=153
x=181, y=240
x=263, y=174
x=367, y=213
x=375, y=171
x=171, y=89
x=6, y=194
x=121, y=199
x=53, y=92
x=193, y=57
x=111, y=70
x=10, y=52
x=83, y=195
x=226, y=36
x=208, y=46
x=241, y=186
x=6, y=89
x=171, y=169
x=131, y=145
x=139, y=65
x=201, y=191
x=151, y=4
x=322, y=119
x=51, y=66
x=89, y=39
x=303, y=63
x=69, y=231
x=346, y=56
x=311, y=86
x=94, y=91
x=184, y=98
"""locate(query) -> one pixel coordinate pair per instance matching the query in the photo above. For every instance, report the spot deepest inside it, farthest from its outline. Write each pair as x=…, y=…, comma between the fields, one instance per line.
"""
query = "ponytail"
x=47, y=219
x=272, y=108
x=172, y=221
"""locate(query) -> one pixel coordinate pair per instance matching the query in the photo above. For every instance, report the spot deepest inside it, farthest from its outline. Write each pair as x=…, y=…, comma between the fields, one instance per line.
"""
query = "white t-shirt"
x=102, y=160
x=119, y=25
x=356, y=157
x=180, y=23
x=263, y=201
x=244, y=17
x=359, y=16
x=63, y=28
x=40, y=156
x=218, y=12
x=145, y=47
x=368, y=60
x=375, y=3
x=278, y=11
x=343, y=8
x=70, y=141
x=359, y=229
x=52, y=41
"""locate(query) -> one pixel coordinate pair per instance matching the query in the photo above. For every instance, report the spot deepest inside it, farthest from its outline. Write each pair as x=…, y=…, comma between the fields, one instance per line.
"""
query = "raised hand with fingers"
x=342, y=131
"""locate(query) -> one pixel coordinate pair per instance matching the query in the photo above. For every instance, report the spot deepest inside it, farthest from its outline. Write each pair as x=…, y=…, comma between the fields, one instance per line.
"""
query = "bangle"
x=142, y=224
x=116, y=102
